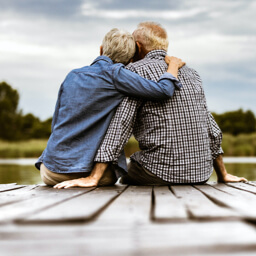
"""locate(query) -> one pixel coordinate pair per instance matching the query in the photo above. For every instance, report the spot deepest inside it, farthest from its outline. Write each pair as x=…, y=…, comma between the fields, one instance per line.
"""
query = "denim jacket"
x=86, y=102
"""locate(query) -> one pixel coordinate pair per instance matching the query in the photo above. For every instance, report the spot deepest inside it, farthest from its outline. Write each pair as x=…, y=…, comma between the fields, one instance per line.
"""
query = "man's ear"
x=101, y=50
x=138, y=48
x=140, y=52
x=136, y=56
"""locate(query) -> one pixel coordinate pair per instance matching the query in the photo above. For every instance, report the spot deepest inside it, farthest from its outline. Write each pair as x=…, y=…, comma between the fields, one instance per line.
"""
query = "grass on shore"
x=22, y=149
x=241, y=145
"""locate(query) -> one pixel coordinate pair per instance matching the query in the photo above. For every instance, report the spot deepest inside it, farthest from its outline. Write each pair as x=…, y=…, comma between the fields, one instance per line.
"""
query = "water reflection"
x=20, y=174
x=28, y=174
x=247, y=170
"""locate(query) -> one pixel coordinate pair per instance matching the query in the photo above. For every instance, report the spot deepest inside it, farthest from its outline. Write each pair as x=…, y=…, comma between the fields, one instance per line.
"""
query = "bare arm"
x=90, y=181
x=222, y=174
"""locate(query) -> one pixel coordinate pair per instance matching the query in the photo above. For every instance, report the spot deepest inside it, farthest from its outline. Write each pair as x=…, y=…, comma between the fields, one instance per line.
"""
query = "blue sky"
x=41, y=41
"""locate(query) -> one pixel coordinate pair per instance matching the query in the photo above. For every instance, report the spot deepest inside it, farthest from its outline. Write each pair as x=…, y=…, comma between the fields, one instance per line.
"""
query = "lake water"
x=22, y=171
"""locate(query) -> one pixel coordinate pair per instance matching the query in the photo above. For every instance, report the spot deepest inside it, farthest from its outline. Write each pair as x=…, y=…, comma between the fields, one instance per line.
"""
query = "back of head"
x=152, y=36
x=119, y=46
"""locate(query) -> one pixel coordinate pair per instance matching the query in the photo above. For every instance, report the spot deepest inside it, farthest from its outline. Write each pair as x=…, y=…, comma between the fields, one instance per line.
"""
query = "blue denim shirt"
x=86, y=102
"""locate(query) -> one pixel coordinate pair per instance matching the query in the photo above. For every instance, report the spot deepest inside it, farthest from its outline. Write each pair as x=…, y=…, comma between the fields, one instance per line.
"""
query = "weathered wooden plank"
x=199, y=206
x=133, y=206
x=252, y=183
x=116, y=248
x=83, y=207
x=7, y=184
x=167, y=206
x=13, y=196
x=190, y=238
x=243, y=186
x=40, y=198
x=10, y=186
x=75, y=246
x=196, y=238
x=241, y=202
x=238, y=193
x=124, y=228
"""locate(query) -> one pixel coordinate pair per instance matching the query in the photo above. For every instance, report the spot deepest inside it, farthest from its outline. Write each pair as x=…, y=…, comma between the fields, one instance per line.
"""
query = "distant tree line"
x=14, y=125
x=236, y=122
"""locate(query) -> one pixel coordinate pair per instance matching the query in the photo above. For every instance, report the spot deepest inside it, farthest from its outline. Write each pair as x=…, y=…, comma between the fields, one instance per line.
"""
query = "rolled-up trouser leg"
x=51, y=178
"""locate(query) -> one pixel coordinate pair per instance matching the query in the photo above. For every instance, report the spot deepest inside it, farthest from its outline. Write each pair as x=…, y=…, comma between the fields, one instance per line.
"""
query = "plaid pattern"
x=179, y=138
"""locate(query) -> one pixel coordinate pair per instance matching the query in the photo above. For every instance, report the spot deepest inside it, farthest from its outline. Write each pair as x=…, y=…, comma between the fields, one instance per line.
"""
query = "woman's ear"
x=101, y=50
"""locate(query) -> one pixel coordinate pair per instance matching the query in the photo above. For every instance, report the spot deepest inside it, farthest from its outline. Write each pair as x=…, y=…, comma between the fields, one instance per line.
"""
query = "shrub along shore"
x=240, y=145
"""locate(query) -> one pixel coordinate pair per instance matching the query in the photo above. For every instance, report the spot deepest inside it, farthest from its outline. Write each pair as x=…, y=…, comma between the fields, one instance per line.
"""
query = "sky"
x=42, y=40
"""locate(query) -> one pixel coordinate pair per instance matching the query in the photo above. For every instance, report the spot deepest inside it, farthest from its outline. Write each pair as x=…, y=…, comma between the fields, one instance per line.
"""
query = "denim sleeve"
x=54, y=118
x=57, y=106
x=55, y=114
x=131, y=84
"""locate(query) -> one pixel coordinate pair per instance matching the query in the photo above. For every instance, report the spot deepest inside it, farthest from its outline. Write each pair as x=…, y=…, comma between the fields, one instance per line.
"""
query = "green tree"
x=15, y=125
x=9, y=118
x=250, y=122
x=42, y=129
x=33, y=128
x=236, y=122
x=29, y=125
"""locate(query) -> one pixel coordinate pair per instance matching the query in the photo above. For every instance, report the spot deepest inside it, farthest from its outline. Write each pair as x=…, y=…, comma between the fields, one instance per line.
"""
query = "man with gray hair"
x=180, y=141
x=86, y=104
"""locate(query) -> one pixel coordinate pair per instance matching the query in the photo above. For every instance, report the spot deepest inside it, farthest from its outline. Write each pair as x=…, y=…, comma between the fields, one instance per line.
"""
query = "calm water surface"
x=22, y=171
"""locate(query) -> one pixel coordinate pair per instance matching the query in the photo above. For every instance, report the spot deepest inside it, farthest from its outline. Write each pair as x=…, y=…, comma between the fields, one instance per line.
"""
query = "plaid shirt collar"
x=156, y=54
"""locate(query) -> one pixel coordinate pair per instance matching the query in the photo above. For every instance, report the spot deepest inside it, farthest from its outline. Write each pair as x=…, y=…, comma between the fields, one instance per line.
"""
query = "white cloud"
x=215, y=37
x=91, y=10
x=214, y=48
x=25, y=49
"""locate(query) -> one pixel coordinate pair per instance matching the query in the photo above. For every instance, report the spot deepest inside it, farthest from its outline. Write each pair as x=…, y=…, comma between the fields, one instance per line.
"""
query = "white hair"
x=119, y=46
x=152, y=36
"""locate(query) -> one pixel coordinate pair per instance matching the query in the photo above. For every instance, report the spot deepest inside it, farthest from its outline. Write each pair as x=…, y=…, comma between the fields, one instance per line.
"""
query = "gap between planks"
x=242, y=202
x=166, y=206
x=83, y=207
x=39, y=199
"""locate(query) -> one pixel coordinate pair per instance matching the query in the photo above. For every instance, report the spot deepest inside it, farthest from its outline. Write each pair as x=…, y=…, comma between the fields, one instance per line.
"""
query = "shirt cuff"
x=217, y=153
x=105, y=157
x=178, y=85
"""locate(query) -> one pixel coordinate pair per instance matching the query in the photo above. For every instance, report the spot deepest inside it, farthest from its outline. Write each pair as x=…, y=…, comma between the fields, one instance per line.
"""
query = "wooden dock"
x=211, y=219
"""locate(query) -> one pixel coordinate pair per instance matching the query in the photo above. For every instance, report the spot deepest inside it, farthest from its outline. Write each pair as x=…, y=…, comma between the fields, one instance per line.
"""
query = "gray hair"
x=119, y=46
x=152, y=35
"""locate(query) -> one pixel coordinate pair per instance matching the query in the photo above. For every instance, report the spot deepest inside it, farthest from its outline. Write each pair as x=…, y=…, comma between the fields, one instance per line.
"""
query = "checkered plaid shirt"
x=178, y=138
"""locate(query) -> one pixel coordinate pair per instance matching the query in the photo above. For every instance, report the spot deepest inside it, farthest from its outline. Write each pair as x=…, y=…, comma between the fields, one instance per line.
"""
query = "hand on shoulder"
x=171, y=60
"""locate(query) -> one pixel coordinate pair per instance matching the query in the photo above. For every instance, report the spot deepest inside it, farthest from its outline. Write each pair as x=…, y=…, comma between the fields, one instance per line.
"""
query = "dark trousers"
x=138, y=175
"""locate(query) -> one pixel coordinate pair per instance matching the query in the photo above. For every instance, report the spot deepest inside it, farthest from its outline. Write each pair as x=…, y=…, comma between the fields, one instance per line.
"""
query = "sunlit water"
x=22, y=171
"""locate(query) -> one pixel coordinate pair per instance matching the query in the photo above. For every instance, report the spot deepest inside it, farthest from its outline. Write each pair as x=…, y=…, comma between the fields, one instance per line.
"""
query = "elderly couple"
x=133, y=87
